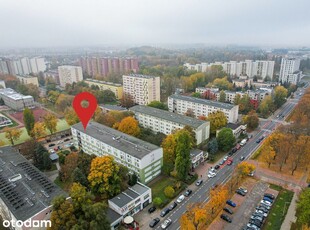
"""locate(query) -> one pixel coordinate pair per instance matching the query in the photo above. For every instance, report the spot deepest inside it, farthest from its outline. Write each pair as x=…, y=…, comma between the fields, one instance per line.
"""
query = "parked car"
x=238, y=146
x=56, y=148
x=67, y=139
x=230, y=162
x=228, y=210
x=265, y=202
x=51, y=151
x=252, y=226
x=225, y=158
x=243, y=189
x=242, y=158
x=222, y=162
x=257, y=217
x=151, y=209
x=217, y=166
x=166, y=223
x=240, y=192
x=59, y=142
x=243, y=142
x=164, y=212
x=51, y=145
x=172, y=206
x=234, y=150
x=262, y=209
x=199, y=182
x=154, y=222
x=256, y=223
x=259, y=211
x=214, y=186
x=267, y=199
x=188, y=192
x=252, y=173
x=269, y=195
x=226, y=218
x=180, y=199
x=231, y=203
x=265, y=206
x=230, y=153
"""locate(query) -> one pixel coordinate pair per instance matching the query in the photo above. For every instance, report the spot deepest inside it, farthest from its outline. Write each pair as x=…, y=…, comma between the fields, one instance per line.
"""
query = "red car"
x=230, y=161
x=238, y=146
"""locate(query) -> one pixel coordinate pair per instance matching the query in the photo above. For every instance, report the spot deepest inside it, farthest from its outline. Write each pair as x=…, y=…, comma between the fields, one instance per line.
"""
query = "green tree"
x=198, y=95
x=50, y=122
x=213, y=146
x=158, y=105
x=251, y=120
x=183, y=147
x=157, y=201
x=225, y=139
x=266, y=106
x=105, y=96
x=303, y=208
x=245, y=105
x=47, y=163
x=79, y=177
x=279, y=96
x=237, y=99
x=28, y=120
x=169, y=192
x=222, y=96
x=133, y=179
x=71, y=116
x=41, y=157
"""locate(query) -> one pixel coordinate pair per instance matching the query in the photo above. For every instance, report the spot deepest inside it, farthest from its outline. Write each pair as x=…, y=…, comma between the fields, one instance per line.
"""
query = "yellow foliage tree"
x=244, y=168
x=217, y=120
x=12, y=134
x=50, y=122
x=38, y=130
x=71, y=116
x=130, y=126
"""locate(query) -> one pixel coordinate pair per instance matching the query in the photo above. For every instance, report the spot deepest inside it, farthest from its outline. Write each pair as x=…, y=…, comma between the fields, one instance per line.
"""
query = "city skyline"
x=92, y=23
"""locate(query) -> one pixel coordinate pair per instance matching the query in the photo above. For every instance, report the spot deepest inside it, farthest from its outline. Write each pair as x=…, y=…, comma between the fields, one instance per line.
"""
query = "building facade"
x=22, y=66
x=117, y=89
x=288, y=67
x=143, y=88
x=201, y=107
x=69, y=74
x=249, y=68
x=27, y=79
x=140, y=157
x=16, y=101
x=166, y=122
x=26, y=193
x=2, y=85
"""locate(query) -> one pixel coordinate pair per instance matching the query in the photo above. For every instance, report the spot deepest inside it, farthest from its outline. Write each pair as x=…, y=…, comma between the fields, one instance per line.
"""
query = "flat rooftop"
x=166, y=115
x=141, y=76
x=202, y=101
x=8, y=92
x=119, y=140
x=113, y=107
x=103, y=82
x=24, y=189
x=129, y=195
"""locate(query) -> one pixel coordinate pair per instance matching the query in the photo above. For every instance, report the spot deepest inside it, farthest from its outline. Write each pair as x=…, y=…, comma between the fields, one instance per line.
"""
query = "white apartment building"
x=166, y=122
x=201, y=107
x=22, y=66
x=138, y=156
x=144, y=89
x=289, y=66
x=248, y=67
x=2, y=84
x=27, y=79
x=16, y=100
x=69, y=74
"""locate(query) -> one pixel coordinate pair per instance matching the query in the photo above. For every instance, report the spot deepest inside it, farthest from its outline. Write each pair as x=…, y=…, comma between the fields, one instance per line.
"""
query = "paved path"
x=290, y=216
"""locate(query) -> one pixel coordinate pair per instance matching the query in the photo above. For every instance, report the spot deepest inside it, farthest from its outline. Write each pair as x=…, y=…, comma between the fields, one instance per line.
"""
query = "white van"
x=243, y=142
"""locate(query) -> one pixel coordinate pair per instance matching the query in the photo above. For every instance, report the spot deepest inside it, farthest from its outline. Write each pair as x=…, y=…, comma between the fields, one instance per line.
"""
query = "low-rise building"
x=4, y=121
x=166, y=122
x=237, y=129
x=108, y=108
x=242, y=82
x=140, y=157
x=197, y=157
x=201, y=107
x=26, y=194
x=116, y=88
x=27, y=79
x=132, y=200
x=16, y=100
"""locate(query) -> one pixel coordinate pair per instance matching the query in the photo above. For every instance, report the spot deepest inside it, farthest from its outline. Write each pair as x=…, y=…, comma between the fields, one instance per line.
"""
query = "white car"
x=265, y=202
x=261, y=212
x=211, y=174
x=166, y=223
x=225, y=158
x=243, y=189
x=181, y=198
x=52, y=151
x=59, y=142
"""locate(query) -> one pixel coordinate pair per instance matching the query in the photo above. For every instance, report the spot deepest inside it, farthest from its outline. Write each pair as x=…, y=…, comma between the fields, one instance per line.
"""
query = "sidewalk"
x=290, y=216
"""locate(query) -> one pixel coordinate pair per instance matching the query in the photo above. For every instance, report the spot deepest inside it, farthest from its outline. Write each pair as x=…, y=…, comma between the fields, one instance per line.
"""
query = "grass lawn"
x=63, y=185
x=219, y=155
x=62, y=125
x=279, y=208
x=159, y=186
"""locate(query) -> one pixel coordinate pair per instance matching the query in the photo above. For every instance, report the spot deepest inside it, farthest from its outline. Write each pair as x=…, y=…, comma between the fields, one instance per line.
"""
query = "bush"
x=191, y=179
x=157, y=202
x=169, y=192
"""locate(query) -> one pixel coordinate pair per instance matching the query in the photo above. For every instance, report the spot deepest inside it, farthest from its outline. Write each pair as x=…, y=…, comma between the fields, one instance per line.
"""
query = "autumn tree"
x=169, y=155
x=53, y=96
x=104, y=176
x=237, y=99
x=221, y=83
x=158, y=105
x=183, y=147
x=226, y=139
x=251, y=120
x=195, y=218
x=50, y=122
x=217, y=120
x=169, y=192
x=245, y=104
x=301, y=153
x=12, y=134
x=69, y=166
x=80, y=197
x=267, y=154
x=108, y=119
x=266, y=106
x=279, y=96
x=130, y=126
x=106, y=96
x=127, y=100
x=222, y=96
x=38, y=130
x=29, y=121
x=71, y=116
x=244, y=168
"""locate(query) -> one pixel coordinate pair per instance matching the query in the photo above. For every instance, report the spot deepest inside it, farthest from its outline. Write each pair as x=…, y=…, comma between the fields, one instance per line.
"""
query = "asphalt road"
x=201, y=194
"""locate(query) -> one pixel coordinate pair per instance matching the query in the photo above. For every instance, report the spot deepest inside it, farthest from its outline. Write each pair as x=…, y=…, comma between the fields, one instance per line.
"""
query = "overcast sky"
x=37, y=23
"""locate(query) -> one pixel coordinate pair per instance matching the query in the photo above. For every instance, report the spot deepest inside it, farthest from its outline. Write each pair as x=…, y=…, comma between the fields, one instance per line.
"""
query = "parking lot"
x=62, y=143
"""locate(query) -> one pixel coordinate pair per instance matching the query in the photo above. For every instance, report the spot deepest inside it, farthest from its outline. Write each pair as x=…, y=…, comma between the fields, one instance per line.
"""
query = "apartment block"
x=289, y=70
x=166, y=122
x=16, y=101
x=143, y=88
x=201, y=107
x=26, y=194
x=117, y=89
x=22, y=66
x=27, y=79
x=69, y=74
x=138, y=156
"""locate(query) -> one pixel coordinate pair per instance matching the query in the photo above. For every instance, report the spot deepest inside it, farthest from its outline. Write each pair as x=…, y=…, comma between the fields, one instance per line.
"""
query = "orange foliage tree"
x=130, y=126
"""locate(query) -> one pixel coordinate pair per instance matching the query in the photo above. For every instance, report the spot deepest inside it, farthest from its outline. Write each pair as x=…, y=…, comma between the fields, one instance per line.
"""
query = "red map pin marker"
x=85, y=113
